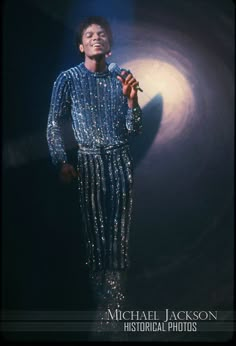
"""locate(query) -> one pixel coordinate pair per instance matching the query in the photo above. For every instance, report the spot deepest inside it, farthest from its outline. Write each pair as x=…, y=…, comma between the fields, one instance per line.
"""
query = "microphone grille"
x=113, y=67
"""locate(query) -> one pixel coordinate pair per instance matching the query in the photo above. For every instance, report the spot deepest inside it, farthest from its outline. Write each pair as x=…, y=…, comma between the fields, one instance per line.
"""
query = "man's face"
x=94, y=41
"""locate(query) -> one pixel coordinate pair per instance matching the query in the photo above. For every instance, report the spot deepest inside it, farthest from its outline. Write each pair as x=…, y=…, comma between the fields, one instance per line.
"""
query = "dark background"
x=182, y=234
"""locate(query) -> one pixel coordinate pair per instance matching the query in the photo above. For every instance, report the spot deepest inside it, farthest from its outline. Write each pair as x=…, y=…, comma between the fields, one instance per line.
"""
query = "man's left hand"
x=129, y=85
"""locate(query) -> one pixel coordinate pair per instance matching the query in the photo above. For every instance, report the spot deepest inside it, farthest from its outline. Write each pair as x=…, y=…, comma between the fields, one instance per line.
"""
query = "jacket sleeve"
x=59, y=105
x=134, y=120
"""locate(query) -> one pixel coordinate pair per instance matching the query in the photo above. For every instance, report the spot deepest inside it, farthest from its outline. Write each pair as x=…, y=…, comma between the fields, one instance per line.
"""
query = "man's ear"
x=81, y=48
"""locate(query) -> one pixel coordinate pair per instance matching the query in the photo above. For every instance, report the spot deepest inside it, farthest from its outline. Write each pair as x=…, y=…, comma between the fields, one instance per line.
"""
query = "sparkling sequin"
x=110, y=292
x=106, y=198
x=102, y=123
x=99, y=111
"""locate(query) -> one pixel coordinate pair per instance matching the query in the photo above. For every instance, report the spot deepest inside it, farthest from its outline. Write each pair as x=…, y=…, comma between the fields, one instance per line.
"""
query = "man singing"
x=104, y=110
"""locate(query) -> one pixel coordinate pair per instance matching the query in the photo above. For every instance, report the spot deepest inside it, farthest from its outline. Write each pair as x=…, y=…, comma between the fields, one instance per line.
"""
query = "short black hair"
x=89, y=21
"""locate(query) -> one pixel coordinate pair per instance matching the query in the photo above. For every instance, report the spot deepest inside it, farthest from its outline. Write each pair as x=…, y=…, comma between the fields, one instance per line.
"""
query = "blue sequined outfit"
x=101, y=122
x=99, y=111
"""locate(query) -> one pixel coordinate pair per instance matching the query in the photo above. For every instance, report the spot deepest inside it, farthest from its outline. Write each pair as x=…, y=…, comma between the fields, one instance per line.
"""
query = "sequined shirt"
x=98, y=109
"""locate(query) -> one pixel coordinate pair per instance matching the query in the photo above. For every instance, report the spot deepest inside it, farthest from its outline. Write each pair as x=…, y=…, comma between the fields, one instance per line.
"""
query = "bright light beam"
x=156, y=76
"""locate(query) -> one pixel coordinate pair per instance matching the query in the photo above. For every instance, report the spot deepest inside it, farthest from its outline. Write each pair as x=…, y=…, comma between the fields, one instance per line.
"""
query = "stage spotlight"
x=159, y=77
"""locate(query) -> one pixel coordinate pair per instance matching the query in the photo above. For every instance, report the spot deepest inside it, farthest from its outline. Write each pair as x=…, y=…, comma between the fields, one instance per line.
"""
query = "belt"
x=102, y=150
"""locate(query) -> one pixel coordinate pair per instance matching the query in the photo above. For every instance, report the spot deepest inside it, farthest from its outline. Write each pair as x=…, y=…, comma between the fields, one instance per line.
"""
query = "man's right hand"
x=67, y=173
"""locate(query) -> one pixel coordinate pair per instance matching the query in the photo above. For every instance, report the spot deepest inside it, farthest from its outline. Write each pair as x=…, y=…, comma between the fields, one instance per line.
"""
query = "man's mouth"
x=97, y=45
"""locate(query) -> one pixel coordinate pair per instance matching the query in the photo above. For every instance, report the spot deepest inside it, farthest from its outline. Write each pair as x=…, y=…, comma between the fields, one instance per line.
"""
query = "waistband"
x=102, y=150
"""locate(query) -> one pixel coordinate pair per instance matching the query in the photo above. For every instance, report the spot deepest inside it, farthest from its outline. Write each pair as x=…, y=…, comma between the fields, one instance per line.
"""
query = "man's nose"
x=96, y=37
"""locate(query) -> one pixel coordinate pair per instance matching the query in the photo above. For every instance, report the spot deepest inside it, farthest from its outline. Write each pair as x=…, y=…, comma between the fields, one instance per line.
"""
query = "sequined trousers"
x=105, y=191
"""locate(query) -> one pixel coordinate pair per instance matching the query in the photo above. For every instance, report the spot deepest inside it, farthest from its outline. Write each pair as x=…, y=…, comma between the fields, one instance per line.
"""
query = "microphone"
x=117, y=70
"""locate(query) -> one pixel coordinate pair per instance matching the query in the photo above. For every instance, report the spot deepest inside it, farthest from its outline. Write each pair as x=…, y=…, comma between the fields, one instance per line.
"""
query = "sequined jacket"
x=98, y=109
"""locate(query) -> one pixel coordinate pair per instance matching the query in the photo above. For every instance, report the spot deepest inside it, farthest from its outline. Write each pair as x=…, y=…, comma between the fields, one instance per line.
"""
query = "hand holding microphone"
x=130, y=84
